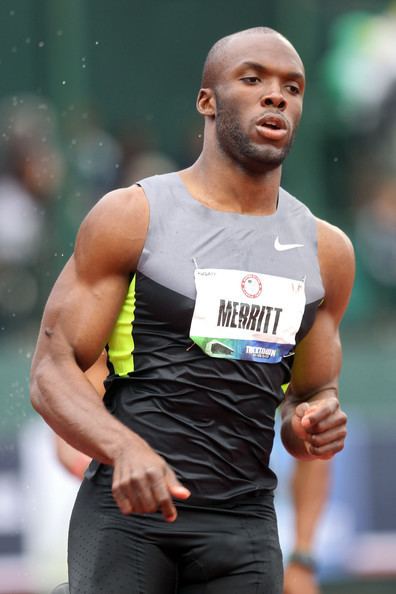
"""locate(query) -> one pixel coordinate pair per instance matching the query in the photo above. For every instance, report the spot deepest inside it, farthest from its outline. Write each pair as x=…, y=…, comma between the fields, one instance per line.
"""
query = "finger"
x=320, y=411
x=327, y=451
x=162, y=495
x=133, y=487
x=175, y=487
x=124, y=504
x=322, y=439
x=302, y=409
x=141, y=494
x=338, y=420
x=120, y=496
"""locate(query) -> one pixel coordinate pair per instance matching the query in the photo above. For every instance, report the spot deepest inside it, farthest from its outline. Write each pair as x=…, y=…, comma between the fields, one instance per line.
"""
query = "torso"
x=209, y=409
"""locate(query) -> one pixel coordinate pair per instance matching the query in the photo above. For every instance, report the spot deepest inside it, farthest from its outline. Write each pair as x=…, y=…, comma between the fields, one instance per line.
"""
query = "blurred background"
x=95, y=94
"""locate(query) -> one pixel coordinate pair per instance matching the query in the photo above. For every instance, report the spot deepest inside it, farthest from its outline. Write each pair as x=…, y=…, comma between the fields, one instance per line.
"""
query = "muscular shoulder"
x=114, y=231
x=337, y=264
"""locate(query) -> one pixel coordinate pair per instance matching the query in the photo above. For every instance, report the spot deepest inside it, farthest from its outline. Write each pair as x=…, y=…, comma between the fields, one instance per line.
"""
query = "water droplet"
x=41, y=44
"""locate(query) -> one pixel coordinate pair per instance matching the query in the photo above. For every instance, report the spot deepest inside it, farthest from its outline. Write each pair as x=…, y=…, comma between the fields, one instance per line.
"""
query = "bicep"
x=317, y=361
x=85, y=301
x=80, y=314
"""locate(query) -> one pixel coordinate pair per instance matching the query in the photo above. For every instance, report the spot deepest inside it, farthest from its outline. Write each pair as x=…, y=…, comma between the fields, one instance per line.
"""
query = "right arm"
x=77, y=322
x=71, y=459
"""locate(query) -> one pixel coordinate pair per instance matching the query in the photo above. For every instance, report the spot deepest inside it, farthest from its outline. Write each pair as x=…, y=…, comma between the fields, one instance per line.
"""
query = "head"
x=29, y=150
x=251, y=97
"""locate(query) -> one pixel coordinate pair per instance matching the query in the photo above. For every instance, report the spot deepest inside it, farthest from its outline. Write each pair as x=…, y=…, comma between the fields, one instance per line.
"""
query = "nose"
x=274, y=98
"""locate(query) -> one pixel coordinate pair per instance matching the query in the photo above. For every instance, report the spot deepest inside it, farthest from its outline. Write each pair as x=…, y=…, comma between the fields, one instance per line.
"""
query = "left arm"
x=313, y=425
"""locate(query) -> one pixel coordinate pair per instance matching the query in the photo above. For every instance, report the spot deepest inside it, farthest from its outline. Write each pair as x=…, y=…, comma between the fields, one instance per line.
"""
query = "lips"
x=272, y=126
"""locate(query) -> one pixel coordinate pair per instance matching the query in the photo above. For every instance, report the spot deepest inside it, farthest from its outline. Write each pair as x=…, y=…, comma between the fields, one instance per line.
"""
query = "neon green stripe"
x=284, y=387
x=121, y=344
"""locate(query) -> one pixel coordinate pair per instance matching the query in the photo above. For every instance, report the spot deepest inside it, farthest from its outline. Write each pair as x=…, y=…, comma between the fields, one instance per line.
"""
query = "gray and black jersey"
x=205, y=338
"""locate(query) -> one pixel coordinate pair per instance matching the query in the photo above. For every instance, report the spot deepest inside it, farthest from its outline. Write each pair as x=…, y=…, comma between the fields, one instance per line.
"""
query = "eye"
x=250, y=80
x=293, y=89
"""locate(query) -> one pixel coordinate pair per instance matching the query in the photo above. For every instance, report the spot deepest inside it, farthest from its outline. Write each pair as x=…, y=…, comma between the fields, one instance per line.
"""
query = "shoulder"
x=114, y=230
x=337, y=263
x=334, y=246
x=116, y=205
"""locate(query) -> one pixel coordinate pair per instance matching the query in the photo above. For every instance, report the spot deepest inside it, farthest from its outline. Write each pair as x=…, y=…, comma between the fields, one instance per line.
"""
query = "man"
x=211, y=287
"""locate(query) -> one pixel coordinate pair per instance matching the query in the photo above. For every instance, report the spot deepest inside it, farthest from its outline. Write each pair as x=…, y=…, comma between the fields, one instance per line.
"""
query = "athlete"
x=210, y=288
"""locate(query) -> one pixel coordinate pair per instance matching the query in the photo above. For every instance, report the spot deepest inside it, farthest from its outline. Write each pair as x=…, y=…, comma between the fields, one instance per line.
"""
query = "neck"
x=218, y=182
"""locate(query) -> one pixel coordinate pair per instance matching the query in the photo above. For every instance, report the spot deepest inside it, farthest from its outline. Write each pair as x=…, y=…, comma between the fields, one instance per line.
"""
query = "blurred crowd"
x=49, y=179
x=359, y=75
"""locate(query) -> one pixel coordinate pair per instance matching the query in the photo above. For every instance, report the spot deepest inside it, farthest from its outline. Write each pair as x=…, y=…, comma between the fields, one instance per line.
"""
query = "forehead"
x=270, y=50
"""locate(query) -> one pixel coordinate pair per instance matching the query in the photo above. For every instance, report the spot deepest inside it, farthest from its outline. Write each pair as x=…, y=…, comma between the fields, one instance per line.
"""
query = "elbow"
x=35, y=396
x=38, y=376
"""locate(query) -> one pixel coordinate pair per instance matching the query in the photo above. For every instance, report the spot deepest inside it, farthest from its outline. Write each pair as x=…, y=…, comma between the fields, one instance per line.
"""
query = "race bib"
x=245, y=315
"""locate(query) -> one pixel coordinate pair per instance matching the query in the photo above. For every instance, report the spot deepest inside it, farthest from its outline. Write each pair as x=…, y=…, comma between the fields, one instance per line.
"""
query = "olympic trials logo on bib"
x=251, y=286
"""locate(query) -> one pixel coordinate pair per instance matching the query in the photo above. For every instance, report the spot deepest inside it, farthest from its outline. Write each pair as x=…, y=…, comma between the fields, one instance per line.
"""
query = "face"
x=258, y=100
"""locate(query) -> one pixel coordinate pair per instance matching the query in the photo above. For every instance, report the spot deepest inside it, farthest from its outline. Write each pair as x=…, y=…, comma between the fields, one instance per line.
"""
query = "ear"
x=206, y=102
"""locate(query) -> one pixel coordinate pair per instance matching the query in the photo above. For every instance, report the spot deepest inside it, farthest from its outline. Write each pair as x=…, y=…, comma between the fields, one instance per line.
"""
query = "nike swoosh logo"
x=282, y=247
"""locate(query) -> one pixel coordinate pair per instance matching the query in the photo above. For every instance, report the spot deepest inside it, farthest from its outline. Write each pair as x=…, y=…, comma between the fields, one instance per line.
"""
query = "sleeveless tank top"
x=205, y=338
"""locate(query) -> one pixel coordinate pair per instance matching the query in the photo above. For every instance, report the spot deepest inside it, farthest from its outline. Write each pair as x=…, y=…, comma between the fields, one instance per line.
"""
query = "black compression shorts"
x=205, y=551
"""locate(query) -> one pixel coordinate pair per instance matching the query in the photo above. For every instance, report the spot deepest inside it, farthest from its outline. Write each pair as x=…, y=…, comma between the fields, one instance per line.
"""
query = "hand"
x=299, y=580
x=143, y=483
x=321, y=424
x=74, y=461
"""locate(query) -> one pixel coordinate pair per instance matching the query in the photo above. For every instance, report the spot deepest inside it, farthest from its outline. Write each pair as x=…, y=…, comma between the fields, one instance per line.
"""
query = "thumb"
x=301, y=410
x=176, y=489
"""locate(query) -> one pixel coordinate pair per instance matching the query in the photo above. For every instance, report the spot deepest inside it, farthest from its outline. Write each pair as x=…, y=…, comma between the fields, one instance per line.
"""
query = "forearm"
x=309, y=488
x=70, y=405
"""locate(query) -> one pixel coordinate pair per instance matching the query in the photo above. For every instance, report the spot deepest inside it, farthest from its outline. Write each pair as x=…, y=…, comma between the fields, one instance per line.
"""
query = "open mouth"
x=272, y=126
x=272, y=121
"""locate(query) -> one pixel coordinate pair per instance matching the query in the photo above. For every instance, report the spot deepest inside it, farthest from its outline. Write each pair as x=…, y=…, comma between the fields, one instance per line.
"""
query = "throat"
x=235, y=192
